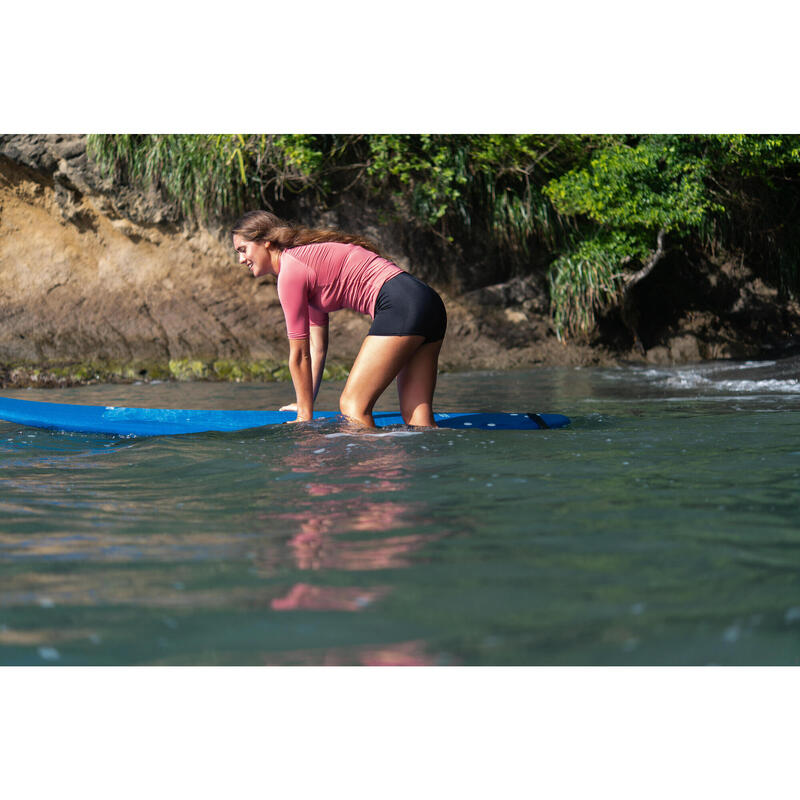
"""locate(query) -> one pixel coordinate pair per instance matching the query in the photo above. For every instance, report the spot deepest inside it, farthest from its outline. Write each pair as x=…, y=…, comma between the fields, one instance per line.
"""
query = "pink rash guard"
x=315, y=279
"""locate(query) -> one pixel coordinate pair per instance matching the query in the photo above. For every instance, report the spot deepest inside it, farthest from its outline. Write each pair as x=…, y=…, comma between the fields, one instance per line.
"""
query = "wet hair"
x=255, y=226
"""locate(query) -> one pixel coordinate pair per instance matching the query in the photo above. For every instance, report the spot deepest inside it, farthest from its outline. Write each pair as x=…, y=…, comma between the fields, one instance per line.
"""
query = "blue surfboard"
x=123, y=421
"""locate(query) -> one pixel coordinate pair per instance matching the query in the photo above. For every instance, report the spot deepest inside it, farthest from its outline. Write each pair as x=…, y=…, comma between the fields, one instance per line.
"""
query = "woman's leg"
x=379, y=361
x=416, y=382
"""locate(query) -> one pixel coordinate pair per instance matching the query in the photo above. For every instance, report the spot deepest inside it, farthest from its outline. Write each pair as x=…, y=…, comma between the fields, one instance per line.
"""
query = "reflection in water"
x=113, y=547
x=331, y=598
x=321, y=547
x=171, y=543
x=398, y=654
x=328, y=514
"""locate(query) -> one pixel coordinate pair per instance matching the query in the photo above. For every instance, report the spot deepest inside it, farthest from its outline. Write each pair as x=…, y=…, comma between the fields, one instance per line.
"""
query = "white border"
x=399, y=732
x=418, y=66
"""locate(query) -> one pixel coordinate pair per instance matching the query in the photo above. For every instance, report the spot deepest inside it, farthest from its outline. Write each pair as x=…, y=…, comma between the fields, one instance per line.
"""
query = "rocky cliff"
x=94, y=274
x=97, y=279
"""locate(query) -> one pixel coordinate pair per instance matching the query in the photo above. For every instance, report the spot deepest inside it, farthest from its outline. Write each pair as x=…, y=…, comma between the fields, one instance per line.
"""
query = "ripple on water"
x=660, y=528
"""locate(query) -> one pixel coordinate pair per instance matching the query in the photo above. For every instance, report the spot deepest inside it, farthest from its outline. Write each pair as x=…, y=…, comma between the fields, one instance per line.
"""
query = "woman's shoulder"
x=320, y=247
x=321, y=255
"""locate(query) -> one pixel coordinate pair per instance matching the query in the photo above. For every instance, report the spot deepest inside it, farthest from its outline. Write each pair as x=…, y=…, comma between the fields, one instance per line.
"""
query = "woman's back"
x=326, y=277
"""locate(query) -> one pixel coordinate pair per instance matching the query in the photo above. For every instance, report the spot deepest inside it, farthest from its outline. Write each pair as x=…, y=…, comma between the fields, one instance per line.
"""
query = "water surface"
x=662, y=527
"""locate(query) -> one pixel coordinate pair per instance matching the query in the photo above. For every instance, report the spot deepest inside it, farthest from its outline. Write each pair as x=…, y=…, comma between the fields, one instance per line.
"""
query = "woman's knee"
x=352, y=406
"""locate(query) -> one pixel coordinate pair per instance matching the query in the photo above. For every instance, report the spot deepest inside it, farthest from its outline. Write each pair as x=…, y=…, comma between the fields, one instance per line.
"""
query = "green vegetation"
x=259, y=371
x=707, y=188
x=595, y=214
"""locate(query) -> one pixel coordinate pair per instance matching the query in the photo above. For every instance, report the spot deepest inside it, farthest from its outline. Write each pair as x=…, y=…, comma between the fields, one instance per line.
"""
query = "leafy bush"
x=712, y=188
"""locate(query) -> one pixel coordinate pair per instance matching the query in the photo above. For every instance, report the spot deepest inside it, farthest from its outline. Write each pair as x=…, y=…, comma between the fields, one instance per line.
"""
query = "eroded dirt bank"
x=97, y=283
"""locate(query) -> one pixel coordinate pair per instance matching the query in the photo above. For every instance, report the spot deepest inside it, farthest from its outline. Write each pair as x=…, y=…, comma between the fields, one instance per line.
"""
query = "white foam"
x=374, y=435
x=393, y=433
x=695, y=380
x=789, y=387
x=713, y=377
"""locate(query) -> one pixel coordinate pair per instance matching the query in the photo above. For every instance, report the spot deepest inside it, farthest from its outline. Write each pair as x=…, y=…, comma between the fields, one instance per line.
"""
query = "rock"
x=81, y=283
x=32, y=151
x=528, y=292
x=64, y=158
x=658, y=355
x=684, y=349
x=70, y=147
x=515, y=317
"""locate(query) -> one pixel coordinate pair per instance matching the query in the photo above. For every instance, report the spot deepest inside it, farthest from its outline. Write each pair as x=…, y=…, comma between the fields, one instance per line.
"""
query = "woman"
x=320, y=271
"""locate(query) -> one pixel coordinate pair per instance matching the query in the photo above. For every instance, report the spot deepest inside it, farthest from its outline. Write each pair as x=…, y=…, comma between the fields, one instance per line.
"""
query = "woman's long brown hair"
x=265, y=226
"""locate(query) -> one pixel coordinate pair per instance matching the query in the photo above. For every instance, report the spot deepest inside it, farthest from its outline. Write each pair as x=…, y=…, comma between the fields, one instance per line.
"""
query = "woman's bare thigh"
x=416, y=383
x=378, y=363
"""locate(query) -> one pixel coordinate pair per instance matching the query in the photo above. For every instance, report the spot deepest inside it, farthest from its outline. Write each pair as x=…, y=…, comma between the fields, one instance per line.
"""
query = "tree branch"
x=632, y=280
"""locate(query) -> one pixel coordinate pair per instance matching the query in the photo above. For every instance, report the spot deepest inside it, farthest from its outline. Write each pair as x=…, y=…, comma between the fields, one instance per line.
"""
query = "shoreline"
x=68, y=375
x=60, y=376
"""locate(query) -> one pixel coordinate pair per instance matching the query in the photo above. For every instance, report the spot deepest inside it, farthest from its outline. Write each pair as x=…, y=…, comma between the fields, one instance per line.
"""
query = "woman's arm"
x=319, y=350
x=300, y=370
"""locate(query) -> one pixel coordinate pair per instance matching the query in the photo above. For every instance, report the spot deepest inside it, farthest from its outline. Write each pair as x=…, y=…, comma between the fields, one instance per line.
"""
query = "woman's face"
x=256, y=255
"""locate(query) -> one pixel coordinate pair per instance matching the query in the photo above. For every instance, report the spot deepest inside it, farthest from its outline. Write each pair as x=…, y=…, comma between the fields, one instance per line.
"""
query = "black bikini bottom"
x=408, y=307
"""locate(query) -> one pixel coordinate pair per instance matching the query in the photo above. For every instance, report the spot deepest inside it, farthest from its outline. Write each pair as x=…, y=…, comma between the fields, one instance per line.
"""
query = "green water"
x=662, y=527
